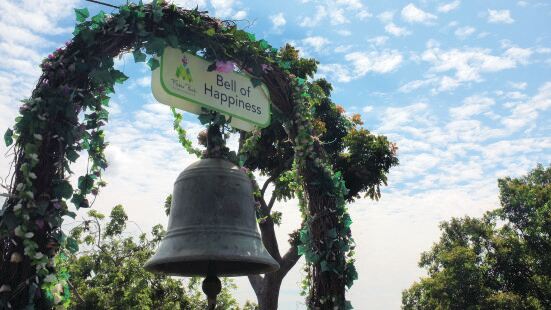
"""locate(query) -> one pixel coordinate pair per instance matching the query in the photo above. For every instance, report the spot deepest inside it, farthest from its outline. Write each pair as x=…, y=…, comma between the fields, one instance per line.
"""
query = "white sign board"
x=183, y=81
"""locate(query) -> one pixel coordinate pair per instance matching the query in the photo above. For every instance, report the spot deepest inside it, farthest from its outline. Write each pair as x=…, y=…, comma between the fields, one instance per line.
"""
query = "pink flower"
x=224, y=66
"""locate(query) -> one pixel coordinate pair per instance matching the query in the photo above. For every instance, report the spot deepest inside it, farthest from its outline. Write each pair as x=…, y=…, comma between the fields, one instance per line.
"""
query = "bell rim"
x=270, y=264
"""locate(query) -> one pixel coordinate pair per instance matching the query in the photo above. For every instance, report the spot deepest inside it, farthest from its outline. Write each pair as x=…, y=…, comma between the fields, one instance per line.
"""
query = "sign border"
x=268, y=122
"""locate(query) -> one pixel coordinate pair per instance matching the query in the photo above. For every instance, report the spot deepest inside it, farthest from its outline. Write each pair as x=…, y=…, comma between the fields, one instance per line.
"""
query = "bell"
x=212, y=227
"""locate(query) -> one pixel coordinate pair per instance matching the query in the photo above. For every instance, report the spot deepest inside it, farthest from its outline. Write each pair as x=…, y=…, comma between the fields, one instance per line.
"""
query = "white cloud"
x=364, y=14
x=320, y=14
x=415, y=84
x=447, y=7
x=350, y=4
x=227, y=8
x=468, y=64
x=386, y=16
x=473, y=105
x=241, y=14
x=396, y=30
x=464, y=32
x=518, y=85
x=342, y=48
x=278, y=20
x=362, y=63
x=378, y=41
x=367, y=109
x=528, y=112
x=190, y=4
x=413, y=14
x=500, y=16
x=384, y=62
x=316, y=42
x=344, y=32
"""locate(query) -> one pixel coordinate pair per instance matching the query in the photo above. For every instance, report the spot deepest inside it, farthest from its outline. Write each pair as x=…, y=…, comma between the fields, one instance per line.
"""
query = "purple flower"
x=51, y=56
x=184, y=60
x=57, y=205
x=39, y=223
x=245, y=169
x=224, y=66
x=266, y=68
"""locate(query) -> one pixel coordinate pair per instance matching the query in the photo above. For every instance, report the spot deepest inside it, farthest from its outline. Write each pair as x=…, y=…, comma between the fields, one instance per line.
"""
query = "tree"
x=363, y=158
x=501, y=261
x=108, y=272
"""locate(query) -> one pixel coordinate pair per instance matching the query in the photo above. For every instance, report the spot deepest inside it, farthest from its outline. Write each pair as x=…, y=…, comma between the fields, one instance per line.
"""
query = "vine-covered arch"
x=77, y=79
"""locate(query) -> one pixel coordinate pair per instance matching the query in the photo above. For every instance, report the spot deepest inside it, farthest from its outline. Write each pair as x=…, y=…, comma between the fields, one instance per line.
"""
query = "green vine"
x=66, y=114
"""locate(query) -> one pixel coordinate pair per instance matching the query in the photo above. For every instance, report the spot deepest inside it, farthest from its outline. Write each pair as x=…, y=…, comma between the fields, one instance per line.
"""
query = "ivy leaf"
x=210, y=32
x=264, y=44
x=72, y=155
x=153, y=63
x=138, y=55
x=325, y=266
x=85, y=183
x=251, y=36
x=256, y=81
x=8, y=137
x=82, y=14
x=99, y=18
x=211, y=67
x=72, y=245
x=118, y=76
x=63, y=189
x=71, y=214
x=205, y=118
x=155, y=46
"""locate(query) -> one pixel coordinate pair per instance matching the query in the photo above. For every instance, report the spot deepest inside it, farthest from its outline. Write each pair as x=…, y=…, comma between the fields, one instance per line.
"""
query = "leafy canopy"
x=501, y=261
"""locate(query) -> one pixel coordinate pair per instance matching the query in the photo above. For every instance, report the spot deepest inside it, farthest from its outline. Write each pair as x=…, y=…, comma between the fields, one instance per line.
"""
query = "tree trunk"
x=267, y=287
x=327, y=290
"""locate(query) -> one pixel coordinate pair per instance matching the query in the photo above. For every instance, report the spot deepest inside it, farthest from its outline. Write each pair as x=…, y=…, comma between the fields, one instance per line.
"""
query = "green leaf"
x=325, y=266
x=138, y=55
x=85, y=183
x=264, y=44
x=82, y=14
x=205, y=118
x=63, y=189
x=72, y=155
x=72, y=245
x=251, y=36
x=8, y=137
x=256, y=82
x=118, y=76
x=155, y=46
x=99, y=18
x=153, y=63
x=71, y=214
x=210, y=32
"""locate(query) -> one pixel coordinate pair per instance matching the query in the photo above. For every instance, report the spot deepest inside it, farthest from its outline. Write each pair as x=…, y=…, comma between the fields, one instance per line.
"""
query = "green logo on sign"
x=183, y=72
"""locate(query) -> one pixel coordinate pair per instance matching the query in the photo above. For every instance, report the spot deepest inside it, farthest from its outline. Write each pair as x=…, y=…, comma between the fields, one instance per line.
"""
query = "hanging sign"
x=183, y=81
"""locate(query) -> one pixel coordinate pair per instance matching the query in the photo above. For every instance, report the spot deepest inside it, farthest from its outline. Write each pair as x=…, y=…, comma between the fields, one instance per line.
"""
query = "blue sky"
x=463, y=88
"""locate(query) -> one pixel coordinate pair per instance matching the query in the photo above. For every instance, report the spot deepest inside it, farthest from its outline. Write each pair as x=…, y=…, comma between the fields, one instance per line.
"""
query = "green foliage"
x=8, y=137
x=108, y=272
x=68, y=110
x=500, y=261
x=82, y=14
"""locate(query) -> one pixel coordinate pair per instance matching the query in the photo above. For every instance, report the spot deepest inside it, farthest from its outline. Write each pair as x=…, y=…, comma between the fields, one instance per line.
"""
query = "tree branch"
x=267, y=231
x=265, y=186
x=257, y=284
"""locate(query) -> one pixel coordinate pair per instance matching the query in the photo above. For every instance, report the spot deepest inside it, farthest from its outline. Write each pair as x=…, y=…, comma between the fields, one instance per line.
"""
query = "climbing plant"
x=67, y=111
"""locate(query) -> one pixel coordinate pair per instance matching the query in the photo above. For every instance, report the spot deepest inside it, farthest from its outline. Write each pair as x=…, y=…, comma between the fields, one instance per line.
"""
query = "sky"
x=462, y=87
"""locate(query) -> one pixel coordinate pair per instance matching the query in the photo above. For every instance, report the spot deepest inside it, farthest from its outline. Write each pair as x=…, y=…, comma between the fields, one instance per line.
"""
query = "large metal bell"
x=212, y=225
